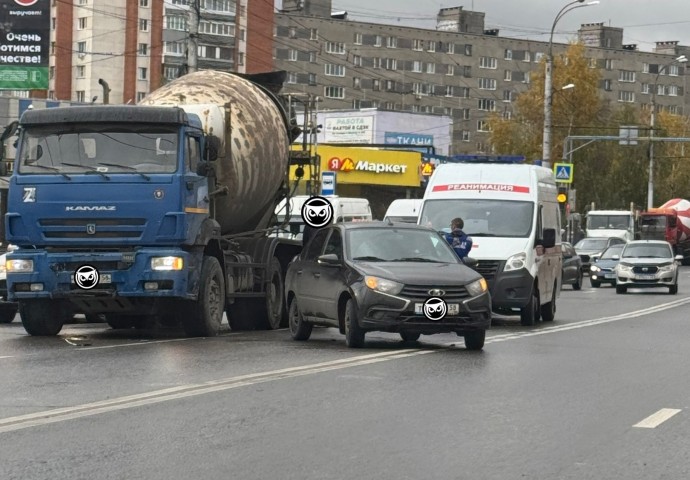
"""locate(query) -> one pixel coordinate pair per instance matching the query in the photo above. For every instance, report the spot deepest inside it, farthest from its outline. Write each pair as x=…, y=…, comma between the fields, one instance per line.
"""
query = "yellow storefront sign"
x=368, y=166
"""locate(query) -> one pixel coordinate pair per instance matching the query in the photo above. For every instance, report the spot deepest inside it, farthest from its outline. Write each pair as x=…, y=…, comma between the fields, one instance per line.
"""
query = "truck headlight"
x=19, y=265
x=516, y=262
x=167, y=263
x=383, y=285
x=477, y=287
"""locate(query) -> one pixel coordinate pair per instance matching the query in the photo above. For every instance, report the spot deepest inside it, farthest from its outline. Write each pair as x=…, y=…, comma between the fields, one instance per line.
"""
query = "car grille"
x=650, y=270
x=101, y=228
x=607, y=270
x=488, y=269
x=453, y=293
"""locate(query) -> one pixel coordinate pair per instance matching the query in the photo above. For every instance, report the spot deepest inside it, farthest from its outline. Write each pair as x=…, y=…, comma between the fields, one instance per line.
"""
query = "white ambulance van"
x=512, y=214
x=403, y=210
x=345, y=209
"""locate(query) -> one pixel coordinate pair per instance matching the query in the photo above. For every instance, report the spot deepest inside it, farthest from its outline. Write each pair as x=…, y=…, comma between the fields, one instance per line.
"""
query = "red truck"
x=670, y=222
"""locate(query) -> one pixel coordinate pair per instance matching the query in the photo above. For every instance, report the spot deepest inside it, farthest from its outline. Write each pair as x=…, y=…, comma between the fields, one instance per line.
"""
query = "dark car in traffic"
x=572, y=267
x=603, y=267
x=378, y=276
x=592, y=247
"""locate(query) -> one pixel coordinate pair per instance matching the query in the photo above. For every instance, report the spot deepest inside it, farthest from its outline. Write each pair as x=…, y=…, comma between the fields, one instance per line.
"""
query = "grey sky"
x=643, y=21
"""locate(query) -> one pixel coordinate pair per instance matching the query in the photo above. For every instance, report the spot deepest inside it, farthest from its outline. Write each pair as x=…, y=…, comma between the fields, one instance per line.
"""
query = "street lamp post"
x=548, y=80
x=650, y=185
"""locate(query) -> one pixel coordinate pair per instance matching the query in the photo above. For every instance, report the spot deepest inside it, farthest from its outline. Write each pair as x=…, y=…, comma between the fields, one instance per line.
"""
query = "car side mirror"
x=549, y=240
x=329, y=259
x=616, y=257
x=679, y=258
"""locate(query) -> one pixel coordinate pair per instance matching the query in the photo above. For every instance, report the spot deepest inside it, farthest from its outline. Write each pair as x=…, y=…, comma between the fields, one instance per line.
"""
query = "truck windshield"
x=653, y=223
x=111, y=148
x=487, y=218
x=606, y=222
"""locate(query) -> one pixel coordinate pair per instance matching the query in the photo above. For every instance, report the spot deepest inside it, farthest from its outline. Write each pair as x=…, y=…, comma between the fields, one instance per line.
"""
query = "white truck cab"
x=611, y=223
x=512, y=214
x=403, y=210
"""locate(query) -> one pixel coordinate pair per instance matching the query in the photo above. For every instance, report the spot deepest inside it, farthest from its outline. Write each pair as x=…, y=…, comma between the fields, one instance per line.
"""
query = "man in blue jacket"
x=459, y=240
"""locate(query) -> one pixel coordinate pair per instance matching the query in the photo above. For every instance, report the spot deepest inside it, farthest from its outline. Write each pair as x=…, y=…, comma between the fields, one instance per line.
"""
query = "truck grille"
x=92, y=228
x=650, y=270
x=453, y=293
x=488, y=269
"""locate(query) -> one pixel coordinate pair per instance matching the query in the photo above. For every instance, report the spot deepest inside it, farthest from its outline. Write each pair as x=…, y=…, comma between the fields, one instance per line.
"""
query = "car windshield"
x=611, y=251
x=483, y=218
x=398, y=245
x=642, y=250
x=603, y=222
x=591, y=244
x=103, y=148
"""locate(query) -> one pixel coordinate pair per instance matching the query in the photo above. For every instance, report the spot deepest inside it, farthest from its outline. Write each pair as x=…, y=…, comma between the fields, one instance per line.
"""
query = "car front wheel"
x=475, y=340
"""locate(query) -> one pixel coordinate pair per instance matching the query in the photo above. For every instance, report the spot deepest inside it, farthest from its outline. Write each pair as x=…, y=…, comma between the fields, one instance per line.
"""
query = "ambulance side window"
x=540, y=223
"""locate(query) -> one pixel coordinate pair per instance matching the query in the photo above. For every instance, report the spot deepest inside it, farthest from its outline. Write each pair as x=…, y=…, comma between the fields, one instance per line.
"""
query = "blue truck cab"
x=106, y=205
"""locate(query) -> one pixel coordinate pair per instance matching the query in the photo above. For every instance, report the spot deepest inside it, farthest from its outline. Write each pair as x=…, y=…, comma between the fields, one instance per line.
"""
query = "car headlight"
x=624, y=267
x=516, y=262
x=669, y=267
x=167, y=263
x=594, y=268
x=477, y=287
x=19, y=265
x=383, y=285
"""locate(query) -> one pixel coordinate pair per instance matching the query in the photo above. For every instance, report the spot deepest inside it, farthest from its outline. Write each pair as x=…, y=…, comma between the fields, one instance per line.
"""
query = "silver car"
x=647, y=264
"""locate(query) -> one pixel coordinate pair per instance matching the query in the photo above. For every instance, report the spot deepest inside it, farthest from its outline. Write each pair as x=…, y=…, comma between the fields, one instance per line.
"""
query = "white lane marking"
x=151, y=342
x=657, y=418
x=69, y=413
x=7, y=356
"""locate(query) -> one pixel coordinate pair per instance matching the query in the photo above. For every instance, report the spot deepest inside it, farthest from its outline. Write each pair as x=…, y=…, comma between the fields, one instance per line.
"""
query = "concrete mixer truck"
x=670, y=222
x=156, y=211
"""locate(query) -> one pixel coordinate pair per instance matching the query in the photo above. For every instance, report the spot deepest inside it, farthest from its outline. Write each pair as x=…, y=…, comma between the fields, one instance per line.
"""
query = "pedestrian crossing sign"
x=563, y=172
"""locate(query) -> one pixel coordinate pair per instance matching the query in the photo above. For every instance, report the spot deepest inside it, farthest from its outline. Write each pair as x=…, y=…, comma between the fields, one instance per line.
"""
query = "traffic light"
x=562, y=195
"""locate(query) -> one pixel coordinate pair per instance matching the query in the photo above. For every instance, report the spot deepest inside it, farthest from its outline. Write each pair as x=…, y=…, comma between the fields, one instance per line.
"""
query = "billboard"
x=24, y=44
x=409, y=139
x=349, y=130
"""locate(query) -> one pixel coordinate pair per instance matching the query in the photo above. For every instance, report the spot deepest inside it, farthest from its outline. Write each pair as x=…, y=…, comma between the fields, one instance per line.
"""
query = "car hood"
x=418, y=273
x=606, y=263
x=588, y=251
x=646, y=261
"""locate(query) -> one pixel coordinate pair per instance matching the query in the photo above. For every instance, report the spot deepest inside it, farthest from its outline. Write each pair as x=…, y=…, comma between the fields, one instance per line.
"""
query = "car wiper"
x=370, y=259
x=416, y=259
x=90, y=169
x=126, y=167
x=54, y=169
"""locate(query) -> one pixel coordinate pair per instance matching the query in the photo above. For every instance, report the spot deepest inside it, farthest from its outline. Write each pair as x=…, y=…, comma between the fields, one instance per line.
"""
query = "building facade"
x=459, y=70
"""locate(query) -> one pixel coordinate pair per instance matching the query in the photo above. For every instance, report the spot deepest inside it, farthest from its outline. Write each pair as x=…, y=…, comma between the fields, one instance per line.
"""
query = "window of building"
x=217, y=28
x=481, y=147
x=528, y=57
x=51, y=94
x=292, y=32
x=312, y=79
x=226, y=6
x=142, y=73
x=507, y=114
x=607, y=85
x=507, y=75
x=171, y=73
x=418, y=45
x=292, y=55
x=144, y=3
x=376, y=84
x=81, y=71
x=508, y=55
x=608, y=64
x=487, y=84
x=356, y=83
x=378, y=41
x=482, y=126
x=333, y=70
x=431, y=47
x=81, y=47
x=140, y=96
x=673, y=90
x=430, y=68
x=357, y=60
x=313, y=34
x=240, y=58
x=144, y=24
x=627, y=97
x=646, y=88
x=51, y=73
x=390, y=86
x=334, y=92
x=645, y=68
x=465, y=135
x=626, y=76
x=467, y=71
x=450, y=47
x=83, y=2
x=82, y=23
x=468, y=50
x=486, y=105
x=81, y=96
x=392, y=42
x=673, y=70
x=335, y=48
x=660, y=90
x=376, y=62
x=450, y=70
x=358, y=39
x=417, y=66
x=143, y=49
x=53, y=23
x=312, y=57
x=464, y=92
x=175, y=48
x=391, y=64
x=292, y=77
x=507, y=95
x=172, y=22
x=488, y=62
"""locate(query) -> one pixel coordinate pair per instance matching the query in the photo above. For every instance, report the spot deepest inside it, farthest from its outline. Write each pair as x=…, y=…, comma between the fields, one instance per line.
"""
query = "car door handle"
x=317, y=275
x=299, y=272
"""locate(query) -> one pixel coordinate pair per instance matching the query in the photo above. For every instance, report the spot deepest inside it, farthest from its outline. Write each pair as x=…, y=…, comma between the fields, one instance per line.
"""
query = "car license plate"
x=610, y=275
x=103, y=278
x=645, y=277
x=453, y=309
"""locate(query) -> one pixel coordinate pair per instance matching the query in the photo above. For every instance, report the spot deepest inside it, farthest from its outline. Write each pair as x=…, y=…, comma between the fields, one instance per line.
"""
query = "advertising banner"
x=24, y=44
x=409, y=139
x=349, y=130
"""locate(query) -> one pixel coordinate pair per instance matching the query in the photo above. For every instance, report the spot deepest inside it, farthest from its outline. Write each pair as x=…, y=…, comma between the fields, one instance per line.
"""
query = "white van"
x=512, y=214
x=403, y=210
x=346, y=209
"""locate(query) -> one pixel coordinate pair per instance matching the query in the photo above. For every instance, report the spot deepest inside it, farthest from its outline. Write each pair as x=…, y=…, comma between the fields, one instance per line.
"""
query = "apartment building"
x=460, y=69
x=137, y=45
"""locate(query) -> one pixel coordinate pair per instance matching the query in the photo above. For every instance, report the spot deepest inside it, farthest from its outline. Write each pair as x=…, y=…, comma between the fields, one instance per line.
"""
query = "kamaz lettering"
x=87, y=208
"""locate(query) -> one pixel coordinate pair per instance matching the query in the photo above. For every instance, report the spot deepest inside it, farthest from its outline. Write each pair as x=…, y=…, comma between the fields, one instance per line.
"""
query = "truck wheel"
x=299, y=329
x=272, y=314
x=206, y=313
x=529, y=314
x=7, y=313
x=43, y=317
x=354, y=335
x=548, y=310
x=475, y=340
x=409, y=336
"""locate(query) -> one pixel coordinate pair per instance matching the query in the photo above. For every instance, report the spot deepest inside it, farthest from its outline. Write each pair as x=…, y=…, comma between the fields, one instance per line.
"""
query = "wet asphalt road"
x=602, y=393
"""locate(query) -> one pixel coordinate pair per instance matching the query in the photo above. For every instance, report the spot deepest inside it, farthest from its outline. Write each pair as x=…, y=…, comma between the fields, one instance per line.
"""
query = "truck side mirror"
x=203, y=169
x=549, y=240
x=211, y=148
